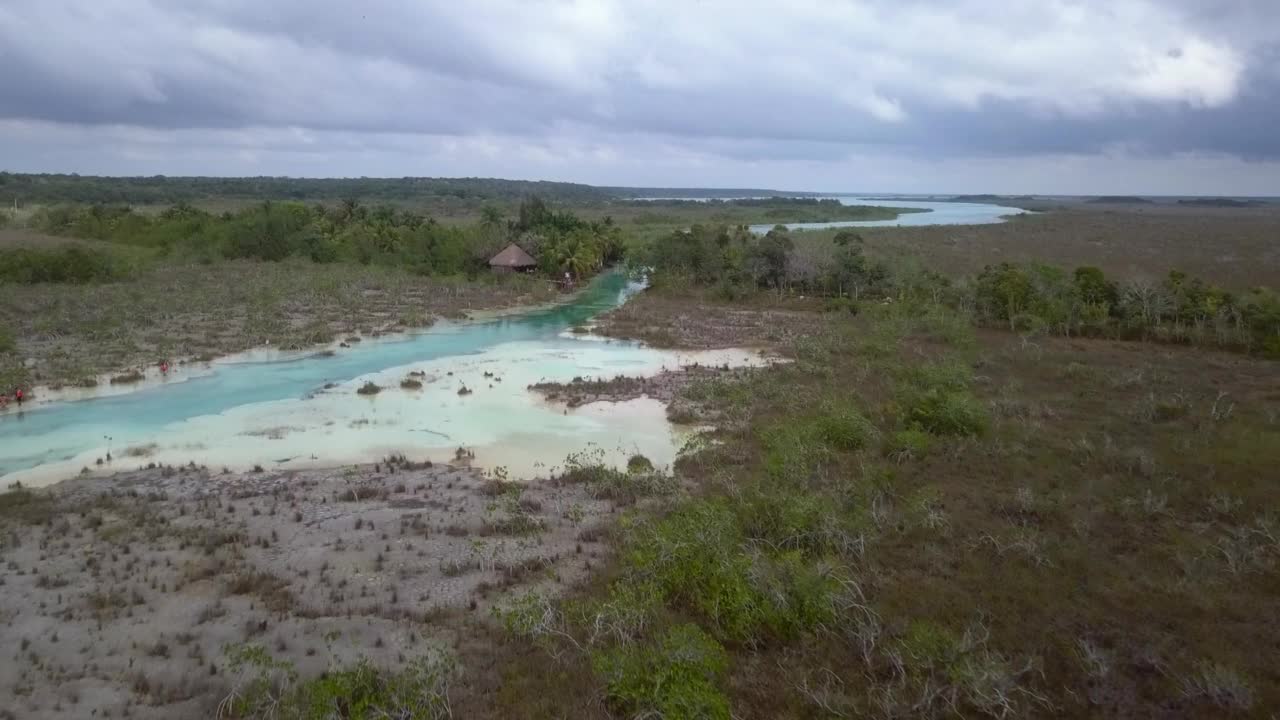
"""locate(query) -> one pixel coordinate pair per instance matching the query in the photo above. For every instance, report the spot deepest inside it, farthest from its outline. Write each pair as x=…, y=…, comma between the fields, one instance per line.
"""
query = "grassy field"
x=917, y=519
x=1236, y=248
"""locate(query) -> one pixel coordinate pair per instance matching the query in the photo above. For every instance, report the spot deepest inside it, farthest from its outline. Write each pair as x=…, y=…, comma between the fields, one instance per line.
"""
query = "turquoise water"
x=196, y=415
x=279, y=412
x=938, y=213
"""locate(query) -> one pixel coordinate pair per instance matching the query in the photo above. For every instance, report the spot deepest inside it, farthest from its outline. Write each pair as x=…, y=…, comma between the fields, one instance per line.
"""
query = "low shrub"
x=69, y=264
x=635, y=463
x=796, y=447
x=698, y=560
x=908, y=444
x=270, y=688
x=676, y=677
x=935, y=398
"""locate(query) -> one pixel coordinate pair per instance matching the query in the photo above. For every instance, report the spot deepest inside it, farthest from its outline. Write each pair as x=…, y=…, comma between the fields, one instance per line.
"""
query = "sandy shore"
x=119, y=594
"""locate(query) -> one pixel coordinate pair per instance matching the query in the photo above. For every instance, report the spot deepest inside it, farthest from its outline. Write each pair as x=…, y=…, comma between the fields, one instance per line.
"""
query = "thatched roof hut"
x=512, y=258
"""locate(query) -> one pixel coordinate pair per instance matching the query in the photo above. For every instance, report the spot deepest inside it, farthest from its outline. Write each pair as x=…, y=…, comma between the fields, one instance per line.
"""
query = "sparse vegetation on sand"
x=920, y=517
x=340, y=593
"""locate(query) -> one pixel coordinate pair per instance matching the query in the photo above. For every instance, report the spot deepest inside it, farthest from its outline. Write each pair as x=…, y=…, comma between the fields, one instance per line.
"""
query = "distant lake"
x=938, y=213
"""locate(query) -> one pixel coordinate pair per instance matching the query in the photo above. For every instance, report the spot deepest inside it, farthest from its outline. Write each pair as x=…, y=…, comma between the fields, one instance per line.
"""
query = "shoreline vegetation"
x=763, y=211
x=291, y=276
x=186, y=283
x=1014, y=470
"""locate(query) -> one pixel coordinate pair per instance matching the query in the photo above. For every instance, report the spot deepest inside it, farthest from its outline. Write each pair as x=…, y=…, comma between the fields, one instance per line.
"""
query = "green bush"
x=785, y=518
x=908, y=444
x=270, y=688
x=676, y=677
x=946, y=412
x=639, y=464
x=69, y=264
x=936, y=398
x=695, y=560
x=799, y=592
x=844, y=429
x=796, y=447
x=698, y=560
x=7, y=342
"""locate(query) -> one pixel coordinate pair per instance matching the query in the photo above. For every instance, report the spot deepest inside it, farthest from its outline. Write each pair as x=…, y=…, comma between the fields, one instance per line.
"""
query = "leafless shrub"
x=1218, y=685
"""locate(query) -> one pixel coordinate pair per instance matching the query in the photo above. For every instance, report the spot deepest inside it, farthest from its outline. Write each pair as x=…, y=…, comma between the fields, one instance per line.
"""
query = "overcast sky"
x=1037, y=96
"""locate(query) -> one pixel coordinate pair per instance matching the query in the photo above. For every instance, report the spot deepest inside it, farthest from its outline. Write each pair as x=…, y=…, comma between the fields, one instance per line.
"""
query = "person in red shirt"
x=18, y=395
x=164, y=367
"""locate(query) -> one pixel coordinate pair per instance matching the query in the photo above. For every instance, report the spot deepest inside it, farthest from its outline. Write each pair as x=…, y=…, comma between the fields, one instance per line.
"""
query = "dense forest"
x=162, y=190
x=350, y=232
x=651, y=193
x=159, y=189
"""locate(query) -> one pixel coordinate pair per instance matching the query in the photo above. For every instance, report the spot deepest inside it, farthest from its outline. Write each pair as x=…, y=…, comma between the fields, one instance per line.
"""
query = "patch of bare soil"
x=119, y=595
x=664, y=386
x=689, y=322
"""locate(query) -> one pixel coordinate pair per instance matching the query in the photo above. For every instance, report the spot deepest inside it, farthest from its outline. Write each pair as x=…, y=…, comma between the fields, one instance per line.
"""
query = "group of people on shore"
x=18, y=397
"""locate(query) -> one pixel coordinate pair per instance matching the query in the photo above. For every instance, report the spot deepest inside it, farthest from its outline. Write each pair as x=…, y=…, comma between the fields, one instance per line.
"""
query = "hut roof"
x=512, y=256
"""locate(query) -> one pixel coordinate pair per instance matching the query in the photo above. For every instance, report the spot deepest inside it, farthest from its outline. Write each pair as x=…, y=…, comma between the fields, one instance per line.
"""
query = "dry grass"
x=1234, y=248
x=1106, y=549
x=75, y=332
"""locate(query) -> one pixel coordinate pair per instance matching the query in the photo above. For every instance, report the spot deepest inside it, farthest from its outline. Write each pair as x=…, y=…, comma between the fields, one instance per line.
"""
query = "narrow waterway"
x=305, y=411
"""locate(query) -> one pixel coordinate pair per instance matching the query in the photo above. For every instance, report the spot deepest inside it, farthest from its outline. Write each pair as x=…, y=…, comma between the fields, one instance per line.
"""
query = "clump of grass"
x=936, y=398
x=639, y=464
x=622, y=487
x=410, y=383
x=676, y=676
x=697, y=559
x=21, y=504
x=133, y=376
x=907, y=444
x=1219, y=686
x=267, y=687
x=796, y=447
x=369, y=388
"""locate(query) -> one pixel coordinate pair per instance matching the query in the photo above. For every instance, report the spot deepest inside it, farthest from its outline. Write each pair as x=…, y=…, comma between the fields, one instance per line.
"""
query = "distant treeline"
x=1033, y=298
x=161, y=190
x=753, y=202
x=694, y=193
x=1119, y=200
x=349, y=232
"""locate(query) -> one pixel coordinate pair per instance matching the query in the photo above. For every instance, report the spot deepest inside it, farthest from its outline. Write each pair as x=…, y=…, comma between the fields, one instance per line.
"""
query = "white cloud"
x=744, y=79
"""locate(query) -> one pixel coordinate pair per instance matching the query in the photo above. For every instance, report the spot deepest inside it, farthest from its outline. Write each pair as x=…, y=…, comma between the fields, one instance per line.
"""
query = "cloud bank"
x=808, y=94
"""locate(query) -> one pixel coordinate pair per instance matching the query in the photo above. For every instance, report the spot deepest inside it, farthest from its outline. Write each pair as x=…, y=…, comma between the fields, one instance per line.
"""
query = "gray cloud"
x=590, y=88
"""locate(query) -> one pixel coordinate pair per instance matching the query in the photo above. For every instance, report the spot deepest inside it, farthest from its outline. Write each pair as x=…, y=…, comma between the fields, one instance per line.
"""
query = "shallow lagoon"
x=274, y=410
x=935, y=213
x=278, y=413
